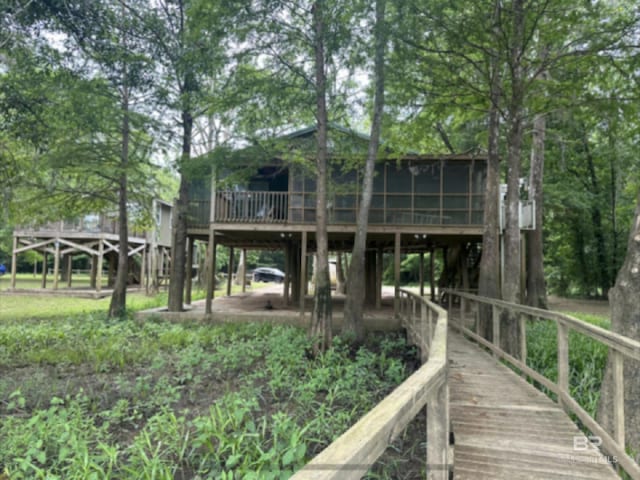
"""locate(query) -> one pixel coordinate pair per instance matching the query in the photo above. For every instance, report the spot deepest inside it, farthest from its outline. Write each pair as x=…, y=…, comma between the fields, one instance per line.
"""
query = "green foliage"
x=163, y=400
x=587, y=359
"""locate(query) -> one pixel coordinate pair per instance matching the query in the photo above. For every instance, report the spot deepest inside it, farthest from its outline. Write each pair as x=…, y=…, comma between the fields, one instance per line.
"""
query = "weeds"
x=90, y=398
x=587, y=359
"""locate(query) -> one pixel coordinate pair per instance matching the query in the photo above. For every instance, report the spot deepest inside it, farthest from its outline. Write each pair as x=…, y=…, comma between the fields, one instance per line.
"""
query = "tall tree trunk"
x=321, y=315
x=511, y=282
x=603, y=277
x=614, y=197
x=118, y=305
x=353, y=324
x=536, y=286
x=625, y=320
x=489, y=280
x=179, y=244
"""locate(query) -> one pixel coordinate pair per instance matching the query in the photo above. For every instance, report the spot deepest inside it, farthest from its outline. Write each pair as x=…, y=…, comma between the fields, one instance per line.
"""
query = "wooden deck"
x=506, y=429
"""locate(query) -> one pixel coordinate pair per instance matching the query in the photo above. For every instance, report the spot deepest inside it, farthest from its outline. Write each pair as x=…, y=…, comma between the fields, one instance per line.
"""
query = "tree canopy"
x=227, y=73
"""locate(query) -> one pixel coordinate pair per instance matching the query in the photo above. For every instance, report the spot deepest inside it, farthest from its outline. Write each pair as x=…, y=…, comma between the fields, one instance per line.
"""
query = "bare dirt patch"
x=590, y=307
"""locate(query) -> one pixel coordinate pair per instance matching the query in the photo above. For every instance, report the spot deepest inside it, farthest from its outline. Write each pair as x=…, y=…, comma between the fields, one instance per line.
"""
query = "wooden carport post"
x=230, y=272
x=56, y=264
x=211, y=272
x=14, y=258
x=396, y=273
x=303, y=270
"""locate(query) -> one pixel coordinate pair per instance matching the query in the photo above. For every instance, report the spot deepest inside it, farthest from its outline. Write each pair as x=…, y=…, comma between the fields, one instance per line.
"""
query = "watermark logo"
x=581, y=443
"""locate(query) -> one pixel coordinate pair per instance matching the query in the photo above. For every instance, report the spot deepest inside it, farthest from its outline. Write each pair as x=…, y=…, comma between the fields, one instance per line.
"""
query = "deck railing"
x=93, y=224
x=620, y=348
x=297, y=208
x=355, y=451
x=251, y=207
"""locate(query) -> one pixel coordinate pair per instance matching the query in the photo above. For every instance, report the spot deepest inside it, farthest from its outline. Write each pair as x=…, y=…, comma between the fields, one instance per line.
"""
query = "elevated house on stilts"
x=96, y=235
x=264, y=198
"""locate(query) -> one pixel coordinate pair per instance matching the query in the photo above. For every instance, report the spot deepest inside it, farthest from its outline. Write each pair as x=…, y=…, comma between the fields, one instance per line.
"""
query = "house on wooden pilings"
x=264, y=198
x=96, y=235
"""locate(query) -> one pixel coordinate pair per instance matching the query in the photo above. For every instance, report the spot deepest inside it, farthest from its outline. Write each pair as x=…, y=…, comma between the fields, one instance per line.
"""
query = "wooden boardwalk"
x=506, y=429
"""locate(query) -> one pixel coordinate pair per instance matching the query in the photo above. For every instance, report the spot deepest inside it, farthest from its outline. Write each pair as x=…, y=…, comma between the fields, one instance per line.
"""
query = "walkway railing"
x=355, y=451
x=620, y=347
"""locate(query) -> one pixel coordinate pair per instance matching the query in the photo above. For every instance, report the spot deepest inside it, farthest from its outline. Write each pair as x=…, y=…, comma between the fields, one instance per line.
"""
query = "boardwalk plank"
x=506, y=429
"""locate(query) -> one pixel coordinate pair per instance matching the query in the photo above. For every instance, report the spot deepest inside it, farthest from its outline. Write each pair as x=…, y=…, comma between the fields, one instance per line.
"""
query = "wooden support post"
x=303, y=270
x=618, y=398
x=230, y=272
x=523, y=267
x=379, y=264
x=432, y=283
x=243, y=281
x=56, y=265
x=438, y=434
x=14, y=262
x=396, y=273
x=370, y=277
x=44, y=269
x=563, y=361
x=294, y=262
x=211, y=272
x=69, y=269
x=99, y=266
x=421, y=274
x=287, y=272
x=143, y=268
x=94, y=270
x=189, y=270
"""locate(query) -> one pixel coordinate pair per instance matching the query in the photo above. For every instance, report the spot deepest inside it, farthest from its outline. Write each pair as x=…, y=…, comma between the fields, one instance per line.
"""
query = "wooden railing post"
x=563, y=361
x=522, y=319
x=618, y=397
x=438, y=434
x=496, y=325
x=425, y=331
x=477, y=320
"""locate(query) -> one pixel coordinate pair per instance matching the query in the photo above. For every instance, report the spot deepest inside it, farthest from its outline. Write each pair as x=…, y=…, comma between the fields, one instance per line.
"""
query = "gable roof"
x=307, y=131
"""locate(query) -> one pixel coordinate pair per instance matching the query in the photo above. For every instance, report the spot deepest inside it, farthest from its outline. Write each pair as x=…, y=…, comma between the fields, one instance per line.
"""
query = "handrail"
x=356, y=450
x=620, y=347
x=251, y=206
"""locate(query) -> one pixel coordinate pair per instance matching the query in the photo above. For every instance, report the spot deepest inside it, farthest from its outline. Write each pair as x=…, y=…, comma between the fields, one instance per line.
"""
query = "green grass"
x=25, y=307
x=28, y=280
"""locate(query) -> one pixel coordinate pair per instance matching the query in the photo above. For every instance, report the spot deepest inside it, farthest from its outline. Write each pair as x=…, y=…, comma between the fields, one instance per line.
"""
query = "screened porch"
x=416, y=191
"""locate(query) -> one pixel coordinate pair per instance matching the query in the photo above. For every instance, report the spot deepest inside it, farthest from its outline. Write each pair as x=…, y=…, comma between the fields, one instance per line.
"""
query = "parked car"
x=267, y=274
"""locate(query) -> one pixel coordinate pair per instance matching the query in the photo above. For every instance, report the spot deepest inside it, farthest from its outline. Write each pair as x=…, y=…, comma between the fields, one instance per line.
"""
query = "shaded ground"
x=591, y=307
